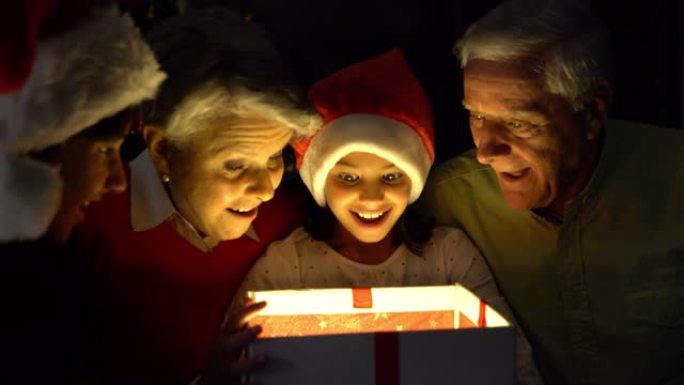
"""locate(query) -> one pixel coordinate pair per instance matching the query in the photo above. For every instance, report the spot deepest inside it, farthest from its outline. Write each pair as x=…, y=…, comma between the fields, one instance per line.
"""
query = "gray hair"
x=571, y=43
x=221, y=69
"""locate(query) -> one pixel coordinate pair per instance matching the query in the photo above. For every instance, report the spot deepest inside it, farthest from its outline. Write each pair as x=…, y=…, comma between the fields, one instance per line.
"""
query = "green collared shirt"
x=601, y=295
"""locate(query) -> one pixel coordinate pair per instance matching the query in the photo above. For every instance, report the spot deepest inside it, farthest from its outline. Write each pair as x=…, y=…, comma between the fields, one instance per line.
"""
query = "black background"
x=317, y=37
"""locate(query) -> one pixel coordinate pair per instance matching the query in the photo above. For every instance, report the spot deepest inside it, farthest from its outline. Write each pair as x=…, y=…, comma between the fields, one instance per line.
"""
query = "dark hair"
x=214, y=45
x=412, y=228
x=116, y=126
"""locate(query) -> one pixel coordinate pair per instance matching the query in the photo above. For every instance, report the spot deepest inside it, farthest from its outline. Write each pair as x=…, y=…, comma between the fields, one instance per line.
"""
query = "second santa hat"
x=376, y=106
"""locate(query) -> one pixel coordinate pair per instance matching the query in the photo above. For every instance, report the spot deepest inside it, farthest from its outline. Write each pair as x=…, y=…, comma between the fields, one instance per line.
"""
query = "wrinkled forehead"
x=247, y=137
x=510, y=85
x=523, y=67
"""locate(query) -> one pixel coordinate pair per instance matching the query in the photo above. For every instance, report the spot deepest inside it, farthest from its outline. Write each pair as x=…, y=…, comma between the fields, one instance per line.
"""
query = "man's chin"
x=518, y=200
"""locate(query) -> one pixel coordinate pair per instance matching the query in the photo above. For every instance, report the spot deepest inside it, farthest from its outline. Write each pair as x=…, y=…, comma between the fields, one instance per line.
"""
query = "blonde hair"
x=571, y=43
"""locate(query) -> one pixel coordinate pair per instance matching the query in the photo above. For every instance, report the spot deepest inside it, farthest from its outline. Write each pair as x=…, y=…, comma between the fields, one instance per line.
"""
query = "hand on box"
x=228, y=364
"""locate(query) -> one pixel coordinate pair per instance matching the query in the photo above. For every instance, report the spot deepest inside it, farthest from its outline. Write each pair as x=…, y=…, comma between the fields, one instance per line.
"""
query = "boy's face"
x=367, y=194
x=90, y=168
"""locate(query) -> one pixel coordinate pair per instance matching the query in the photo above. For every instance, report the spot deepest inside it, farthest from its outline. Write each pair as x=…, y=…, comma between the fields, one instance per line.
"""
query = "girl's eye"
x=476, y=119
x=105, y=150
x=234, y=165
x=347, y=178
x=392, y=177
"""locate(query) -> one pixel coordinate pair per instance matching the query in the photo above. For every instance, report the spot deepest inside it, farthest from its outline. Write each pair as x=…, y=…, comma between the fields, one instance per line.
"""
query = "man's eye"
x=520, y=128
x=234, y=165
x=348, y=178
x=392, y=177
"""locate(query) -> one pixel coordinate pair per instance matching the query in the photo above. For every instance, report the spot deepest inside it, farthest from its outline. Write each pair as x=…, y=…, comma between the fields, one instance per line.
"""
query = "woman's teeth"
x=242, y=210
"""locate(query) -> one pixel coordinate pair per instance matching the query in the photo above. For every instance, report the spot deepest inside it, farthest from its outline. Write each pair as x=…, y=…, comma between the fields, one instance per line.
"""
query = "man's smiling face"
x=532, y=139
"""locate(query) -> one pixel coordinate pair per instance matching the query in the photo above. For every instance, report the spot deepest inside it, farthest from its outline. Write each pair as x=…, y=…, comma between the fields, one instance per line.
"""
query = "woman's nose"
x=261, y=184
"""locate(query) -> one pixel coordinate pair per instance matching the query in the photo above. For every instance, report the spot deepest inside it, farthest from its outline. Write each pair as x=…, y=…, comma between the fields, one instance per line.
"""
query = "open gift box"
x=382, y=336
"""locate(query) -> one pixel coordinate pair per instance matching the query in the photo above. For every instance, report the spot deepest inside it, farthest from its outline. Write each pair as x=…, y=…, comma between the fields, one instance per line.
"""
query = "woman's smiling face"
x=221, y=175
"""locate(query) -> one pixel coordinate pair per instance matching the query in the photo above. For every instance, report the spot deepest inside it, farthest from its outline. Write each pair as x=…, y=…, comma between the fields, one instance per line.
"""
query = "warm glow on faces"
x=532, y=139
x=89, y=168
x=367, y=194
x=223, y=173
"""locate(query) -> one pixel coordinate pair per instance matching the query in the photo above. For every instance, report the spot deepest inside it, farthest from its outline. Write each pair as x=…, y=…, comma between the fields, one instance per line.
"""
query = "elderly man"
x=580, y=218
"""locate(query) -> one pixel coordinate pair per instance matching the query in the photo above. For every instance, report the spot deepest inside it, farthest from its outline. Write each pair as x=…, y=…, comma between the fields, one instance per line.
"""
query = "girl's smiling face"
x=367, y=194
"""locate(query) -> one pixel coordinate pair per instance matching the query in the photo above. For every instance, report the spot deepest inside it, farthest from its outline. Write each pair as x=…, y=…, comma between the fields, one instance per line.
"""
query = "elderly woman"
x=167, y=257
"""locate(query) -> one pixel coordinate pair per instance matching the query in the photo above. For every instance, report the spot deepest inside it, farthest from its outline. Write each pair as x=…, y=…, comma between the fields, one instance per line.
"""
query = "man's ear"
x=598, y=107
x=158, y=146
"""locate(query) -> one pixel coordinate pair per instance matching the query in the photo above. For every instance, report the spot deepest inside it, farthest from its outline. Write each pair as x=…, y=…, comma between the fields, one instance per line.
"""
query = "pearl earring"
x=166, y=178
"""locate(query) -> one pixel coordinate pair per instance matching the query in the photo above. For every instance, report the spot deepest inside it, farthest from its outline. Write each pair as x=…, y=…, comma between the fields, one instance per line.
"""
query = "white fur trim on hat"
x=79, y=77
x=30, y=194
x=384, y=137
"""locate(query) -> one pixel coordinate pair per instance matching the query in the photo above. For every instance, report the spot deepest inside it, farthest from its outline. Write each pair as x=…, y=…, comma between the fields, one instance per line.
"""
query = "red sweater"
x=155, y=302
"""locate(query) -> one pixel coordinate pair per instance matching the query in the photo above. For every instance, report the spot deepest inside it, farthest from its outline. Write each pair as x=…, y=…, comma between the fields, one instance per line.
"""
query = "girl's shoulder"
x=447, y=234
x=297, y=235
x=291, y=247
x=450, y=242
x=278, y=267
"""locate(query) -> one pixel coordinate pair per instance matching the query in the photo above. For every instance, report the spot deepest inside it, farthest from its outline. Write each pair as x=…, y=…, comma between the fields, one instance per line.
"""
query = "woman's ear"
x=598, y=109
x=158, y=146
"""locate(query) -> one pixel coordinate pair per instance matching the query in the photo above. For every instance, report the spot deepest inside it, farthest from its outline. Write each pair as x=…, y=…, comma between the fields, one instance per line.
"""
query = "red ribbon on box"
x=387, y=344
x=387, y=358
x=362, y=297
x=482, y=319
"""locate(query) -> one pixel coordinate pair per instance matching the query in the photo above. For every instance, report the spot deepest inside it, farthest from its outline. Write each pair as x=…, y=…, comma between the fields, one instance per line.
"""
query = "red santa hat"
x=377, y=106
x=22, y=24
x=78, y=78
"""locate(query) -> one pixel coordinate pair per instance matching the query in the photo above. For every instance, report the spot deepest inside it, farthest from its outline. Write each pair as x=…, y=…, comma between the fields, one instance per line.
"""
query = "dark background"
x=317, y=37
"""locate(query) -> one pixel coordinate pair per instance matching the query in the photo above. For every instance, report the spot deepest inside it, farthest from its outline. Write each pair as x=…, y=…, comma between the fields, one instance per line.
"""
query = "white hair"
x=237, y=106
x=570, y=42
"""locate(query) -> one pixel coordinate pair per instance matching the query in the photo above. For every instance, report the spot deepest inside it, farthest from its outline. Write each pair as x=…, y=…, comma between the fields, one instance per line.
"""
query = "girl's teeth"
x=370, y=216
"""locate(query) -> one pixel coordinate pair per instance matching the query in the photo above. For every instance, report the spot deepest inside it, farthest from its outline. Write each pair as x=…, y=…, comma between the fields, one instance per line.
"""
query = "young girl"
x=366, y=164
